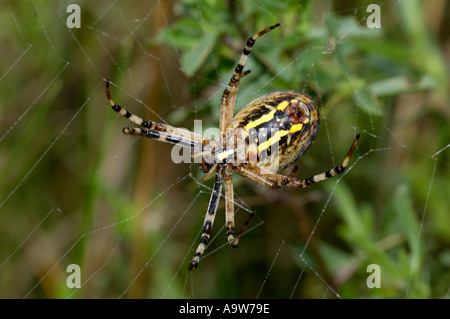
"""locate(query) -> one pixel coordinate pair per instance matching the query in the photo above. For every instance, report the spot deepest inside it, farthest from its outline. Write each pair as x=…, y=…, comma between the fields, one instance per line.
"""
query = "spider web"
x=75, y=190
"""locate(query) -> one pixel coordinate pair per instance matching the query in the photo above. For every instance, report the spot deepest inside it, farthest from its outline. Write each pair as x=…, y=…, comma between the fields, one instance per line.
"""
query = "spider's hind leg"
x=229, y=209
x=236, y=240
x=208, y=223
x=325, y=175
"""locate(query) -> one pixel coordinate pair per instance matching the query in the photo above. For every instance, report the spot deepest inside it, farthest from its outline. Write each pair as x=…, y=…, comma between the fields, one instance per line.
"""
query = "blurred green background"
x=75, y=190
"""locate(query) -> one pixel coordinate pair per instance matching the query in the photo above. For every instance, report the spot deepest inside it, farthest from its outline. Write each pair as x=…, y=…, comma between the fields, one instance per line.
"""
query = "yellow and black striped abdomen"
x=287, y=120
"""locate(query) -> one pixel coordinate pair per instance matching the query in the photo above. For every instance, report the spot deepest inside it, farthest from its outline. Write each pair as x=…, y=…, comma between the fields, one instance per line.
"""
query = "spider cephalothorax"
x=267, y=135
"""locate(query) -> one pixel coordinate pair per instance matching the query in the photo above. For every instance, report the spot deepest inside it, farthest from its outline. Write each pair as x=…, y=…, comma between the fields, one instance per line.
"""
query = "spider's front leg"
x=159, y=131
x=229, y=94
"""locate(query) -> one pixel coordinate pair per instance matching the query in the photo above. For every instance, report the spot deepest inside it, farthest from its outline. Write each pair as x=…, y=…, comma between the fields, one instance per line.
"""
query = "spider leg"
x=255, y=174
x=274, y=180
x=288, y=179
x=235, y=243
x=229, y=209
x=211, y=172
x=230, y=92
x=132, y=117
x=158, y=131
x=232, y=239
x=208, y=223
x=183, y=140
x=325, y=175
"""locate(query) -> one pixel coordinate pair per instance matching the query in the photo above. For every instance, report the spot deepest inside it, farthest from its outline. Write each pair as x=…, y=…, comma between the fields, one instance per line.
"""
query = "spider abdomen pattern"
x=281, y=125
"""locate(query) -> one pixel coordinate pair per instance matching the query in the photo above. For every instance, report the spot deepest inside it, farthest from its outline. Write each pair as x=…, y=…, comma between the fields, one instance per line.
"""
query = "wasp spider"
x=284, y=123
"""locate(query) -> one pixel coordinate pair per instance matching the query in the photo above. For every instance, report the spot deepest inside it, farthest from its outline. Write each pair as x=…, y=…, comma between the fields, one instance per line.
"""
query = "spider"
x=284, y=123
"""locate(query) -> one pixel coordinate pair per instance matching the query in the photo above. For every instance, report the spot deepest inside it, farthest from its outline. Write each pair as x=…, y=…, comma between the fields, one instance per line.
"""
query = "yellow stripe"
x=265, y=118
x=269, y=116
x=297, y=127
x=278, y=135
x=282, y=105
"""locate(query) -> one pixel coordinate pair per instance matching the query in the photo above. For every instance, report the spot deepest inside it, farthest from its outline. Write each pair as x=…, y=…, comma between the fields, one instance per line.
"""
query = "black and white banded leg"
x=230, y=92
x=159, y=131
x=209, y=221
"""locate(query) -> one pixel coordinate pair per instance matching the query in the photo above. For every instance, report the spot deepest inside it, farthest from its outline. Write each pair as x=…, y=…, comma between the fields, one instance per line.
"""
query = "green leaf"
x=365, y=99
x=194, y=57
x=401, y=84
